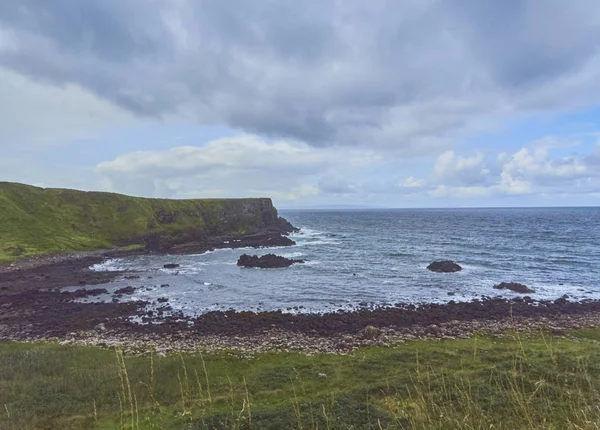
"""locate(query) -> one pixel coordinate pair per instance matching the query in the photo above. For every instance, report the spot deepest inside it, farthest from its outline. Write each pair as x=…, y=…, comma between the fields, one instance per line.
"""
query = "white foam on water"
x=111, y=265
x=307, y=232
x=292, y=254
x=319, y=242
x=310, y=263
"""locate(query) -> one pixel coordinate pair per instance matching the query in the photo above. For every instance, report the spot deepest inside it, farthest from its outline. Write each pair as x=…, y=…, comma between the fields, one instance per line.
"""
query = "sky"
x=403, y=103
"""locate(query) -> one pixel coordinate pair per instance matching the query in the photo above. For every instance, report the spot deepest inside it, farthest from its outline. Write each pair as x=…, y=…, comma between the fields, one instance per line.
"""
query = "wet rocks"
x=87, y=292
x=125, y=290
x=444, y=266
x=269, y=261
x=514, y=286
x=171, y=266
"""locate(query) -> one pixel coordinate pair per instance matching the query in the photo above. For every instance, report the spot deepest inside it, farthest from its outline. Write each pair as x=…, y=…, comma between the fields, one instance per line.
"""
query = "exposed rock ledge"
x=514, y=286
x=269, y=261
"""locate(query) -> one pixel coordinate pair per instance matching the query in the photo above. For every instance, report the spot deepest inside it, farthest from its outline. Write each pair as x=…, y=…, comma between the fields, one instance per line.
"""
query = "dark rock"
x=164, y=285
x=514, y=286
x=268, y=261
x=162, y=300
x=445, y=266
x=132, y=277
x=284, y=226
x=126, y=290
x=451, y=293
x=86, y=293
x=171, y=266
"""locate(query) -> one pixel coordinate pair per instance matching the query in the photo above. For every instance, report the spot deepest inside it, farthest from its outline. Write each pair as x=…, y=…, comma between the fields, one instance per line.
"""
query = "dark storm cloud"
x=400, y=74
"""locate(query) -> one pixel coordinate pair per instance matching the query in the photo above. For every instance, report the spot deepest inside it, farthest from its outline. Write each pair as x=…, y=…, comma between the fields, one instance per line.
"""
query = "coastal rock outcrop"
x=188, y=226
x=269, y=261
x=514, y=286
x=444, y=266
x=125, y=290
x=171, y=266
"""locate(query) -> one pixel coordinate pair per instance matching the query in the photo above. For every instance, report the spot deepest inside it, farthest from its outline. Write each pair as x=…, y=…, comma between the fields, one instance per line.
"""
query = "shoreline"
x=33, y=308
x=276, y=340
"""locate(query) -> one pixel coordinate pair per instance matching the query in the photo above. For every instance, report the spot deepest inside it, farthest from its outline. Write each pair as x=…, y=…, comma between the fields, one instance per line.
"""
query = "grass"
x=542, y=382
x=36, y=221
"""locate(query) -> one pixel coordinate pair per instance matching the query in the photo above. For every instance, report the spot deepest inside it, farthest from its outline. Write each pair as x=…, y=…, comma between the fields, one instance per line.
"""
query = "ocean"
x=357, y=258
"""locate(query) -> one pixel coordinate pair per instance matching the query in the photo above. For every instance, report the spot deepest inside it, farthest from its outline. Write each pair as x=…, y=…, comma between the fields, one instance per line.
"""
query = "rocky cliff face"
x=231, y=223
x=36, y=221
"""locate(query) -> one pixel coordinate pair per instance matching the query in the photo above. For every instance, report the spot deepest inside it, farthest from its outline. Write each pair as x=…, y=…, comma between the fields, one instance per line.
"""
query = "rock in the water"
x=445, y=266
x=514, y=286
x=269, y=261
x=171, y=266
x=126, y=290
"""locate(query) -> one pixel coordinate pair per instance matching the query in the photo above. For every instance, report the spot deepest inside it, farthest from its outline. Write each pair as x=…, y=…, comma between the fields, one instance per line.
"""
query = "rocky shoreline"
x=280, y=340
x=34, y=308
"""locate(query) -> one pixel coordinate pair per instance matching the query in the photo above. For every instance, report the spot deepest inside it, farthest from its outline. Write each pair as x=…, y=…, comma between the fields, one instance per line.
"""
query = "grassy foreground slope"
x=543, y=382
x=36, y=220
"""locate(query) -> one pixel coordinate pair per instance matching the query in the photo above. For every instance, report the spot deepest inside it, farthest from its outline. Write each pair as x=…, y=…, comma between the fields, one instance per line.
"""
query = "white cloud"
x=452, y=169
x=444, y=191
x=411, y=182
x=239, y=166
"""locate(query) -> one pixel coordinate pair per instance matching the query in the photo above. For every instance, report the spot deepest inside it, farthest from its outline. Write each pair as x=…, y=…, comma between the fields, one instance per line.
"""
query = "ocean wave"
x=307, y=232
x=401, y=254
x=311, y=263
x=292, y=254
x=319, y=242
x=111, y=265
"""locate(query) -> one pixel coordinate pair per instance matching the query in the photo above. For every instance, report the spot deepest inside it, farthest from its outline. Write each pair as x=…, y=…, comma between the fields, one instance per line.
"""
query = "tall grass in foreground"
x=542, y=382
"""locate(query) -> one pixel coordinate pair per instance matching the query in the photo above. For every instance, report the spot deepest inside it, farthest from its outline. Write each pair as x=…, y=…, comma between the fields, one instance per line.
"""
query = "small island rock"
x=445, y=266
x=514, y=286
x=269, y=261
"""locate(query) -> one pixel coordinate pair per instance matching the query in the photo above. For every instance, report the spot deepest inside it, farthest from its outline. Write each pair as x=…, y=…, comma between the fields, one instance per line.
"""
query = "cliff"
x=36, y=221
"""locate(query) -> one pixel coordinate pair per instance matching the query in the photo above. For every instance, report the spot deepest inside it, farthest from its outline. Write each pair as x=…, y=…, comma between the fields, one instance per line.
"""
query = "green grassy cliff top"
x=36, y=221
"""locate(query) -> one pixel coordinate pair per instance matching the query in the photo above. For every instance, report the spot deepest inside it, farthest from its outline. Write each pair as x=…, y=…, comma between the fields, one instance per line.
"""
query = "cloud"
x=455, y=170
x=35, y=113
x=289, y=171
x=408, y=77
x=233, y=167
x=526, y=171
x=336, y=185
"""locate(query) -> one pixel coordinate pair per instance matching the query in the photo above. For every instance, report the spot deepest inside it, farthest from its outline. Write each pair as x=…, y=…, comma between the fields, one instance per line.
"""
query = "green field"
x=36, y=221
x=478, y=383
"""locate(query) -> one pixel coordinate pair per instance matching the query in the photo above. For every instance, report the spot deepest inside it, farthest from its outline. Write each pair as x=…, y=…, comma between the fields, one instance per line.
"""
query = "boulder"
x=445, y=266
x=126, y=290
x=171, y=266
x=269, y=261
x=514, y=286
